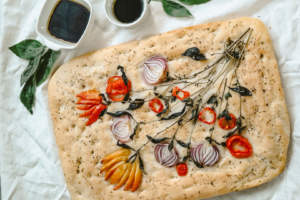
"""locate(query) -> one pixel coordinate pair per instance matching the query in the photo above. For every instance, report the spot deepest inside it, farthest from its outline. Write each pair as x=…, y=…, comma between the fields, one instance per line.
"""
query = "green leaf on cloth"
x=194, y=2
x=175, y=9
x=27, y=49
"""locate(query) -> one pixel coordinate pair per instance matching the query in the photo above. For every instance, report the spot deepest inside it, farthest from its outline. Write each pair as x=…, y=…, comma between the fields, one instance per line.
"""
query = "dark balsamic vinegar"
x=68, y=20
x=128, y=11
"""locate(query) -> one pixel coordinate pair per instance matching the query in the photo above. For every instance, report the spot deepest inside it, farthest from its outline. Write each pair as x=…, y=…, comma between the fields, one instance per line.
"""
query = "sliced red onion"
x=155, y=69
x=164, y=156
x=122, y=128
x=205, y=154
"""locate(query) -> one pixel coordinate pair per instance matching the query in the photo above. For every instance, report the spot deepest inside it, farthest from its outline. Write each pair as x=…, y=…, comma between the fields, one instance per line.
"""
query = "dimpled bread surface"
x=82, y=147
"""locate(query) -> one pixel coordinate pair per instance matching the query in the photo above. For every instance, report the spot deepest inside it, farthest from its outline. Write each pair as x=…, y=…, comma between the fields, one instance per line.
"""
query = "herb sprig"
x=41, y=60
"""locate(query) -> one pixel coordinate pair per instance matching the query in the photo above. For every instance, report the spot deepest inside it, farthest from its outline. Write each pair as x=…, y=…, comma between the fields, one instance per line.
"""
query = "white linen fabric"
x=29, y=165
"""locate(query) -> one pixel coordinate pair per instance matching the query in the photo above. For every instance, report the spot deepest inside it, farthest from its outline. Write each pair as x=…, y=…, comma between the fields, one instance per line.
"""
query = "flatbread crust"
x=81, y=148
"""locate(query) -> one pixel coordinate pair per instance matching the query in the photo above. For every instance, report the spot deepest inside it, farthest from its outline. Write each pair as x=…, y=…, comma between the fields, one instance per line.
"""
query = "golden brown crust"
x=81, y=148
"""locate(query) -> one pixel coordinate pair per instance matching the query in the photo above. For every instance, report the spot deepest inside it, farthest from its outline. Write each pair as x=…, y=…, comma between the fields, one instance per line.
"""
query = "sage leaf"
x=195, y=54
x=124, y=77
x=225, y=114
x=124, y=146
x=30, y=69
x=141, y=165
x=166, y=101
x=27, y=49
x=105, y=99
x=183, y=144
x=135, y=130
x=198, y=164
x=213, y=100
x=156, y=140
x=228, y=95
x=118, y=113
x=102, y=113
x=175, y=9
x=237, y=129
x=210, y=140
x=132, y=158
x=241, y=90
x=135, y=104
x=194, y=114
x=185, y=158
x=28, y=93
x=193, y=2
x=46, y=63
x=171, y=145
x=174, y=115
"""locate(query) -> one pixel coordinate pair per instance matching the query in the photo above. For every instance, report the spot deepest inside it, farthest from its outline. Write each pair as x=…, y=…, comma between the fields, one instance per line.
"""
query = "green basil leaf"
x=193, y=2
x=45, y=66
x=30, y=69
x=28, y=93
x=126, y=146
x=174, y=9
x=27, y=49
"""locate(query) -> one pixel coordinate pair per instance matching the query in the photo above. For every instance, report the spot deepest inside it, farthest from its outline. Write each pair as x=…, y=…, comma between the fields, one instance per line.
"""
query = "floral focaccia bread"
x=189, y=114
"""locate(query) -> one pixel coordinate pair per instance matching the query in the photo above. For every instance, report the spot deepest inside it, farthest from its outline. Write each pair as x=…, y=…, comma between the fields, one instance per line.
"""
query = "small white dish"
x=42, y=26
x=112, y=18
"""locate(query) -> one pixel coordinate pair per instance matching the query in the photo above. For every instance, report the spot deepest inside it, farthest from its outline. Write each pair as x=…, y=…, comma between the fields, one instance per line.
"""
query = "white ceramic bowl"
x=42, y=26
x=112, y=18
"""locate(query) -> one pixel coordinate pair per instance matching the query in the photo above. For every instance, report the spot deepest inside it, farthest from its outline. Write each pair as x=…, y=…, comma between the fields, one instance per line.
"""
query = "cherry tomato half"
x=182, y=169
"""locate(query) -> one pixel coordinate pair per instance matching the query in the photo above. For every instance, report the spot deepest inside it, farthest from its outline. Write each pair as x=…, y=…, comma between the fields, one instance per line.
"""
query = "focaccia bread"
x=250, y=90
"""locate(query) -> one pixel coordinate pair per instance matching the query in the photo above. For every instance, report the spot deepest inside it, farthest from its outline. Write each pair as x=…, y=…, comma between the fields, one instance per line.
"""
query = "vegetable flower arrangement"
x=125, y=167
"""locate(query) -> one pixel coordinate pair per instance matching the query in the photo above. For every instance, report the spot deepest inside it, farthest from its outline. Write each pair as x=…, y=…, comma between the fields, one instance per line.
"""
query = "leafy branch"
x=41, y=60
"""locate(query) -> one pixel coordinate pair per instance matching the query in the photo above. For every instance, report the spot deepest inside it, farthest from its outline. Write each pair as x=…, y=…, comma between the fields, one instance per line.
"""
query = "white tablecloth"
x=29, y=164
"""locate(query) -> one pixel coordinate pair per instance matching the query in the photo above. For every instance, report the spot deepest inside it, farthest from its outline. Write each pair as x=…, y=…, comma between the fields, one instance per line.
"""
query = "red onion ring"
x=155, y=69
x=205, y=154
x=164, y=156
x=122, y=127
